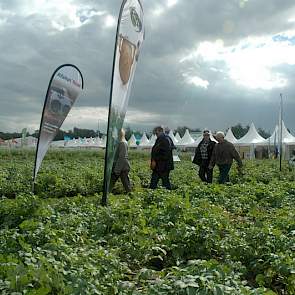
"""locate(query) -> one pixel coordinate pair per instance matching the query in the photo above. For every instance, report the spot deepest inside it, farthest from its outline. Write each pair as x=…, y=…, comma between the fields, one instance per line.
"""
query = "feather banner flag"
x=129, y=39
x=64, y=87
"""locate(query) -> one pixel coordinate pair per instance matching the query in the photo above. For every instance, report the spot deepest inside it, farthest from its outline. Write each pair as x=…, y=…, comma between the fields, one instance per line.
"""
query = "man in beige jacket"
x=223, y=154
x=121, y=166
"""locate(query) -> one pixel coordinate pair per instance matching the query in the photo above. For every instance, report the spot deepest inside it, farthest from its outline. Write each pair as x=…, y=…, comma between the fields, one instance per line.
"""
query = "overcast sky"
x=211, y=63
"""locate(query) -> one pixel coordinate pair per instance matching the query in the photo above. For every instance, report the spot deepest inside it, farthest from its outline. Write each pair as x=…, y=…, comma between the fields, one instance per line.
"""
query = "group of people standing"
x=207, y=154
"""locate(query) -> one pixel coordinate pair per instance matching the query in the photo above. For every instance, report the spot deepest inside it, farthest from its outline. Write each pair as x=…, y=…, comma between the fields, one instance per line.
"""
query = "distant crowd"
x=208, y=154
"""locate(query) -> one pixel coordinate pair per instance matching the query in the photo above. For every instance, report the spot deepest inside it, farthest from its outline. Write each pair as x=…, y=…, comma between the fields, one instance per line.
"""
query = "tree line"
x=75, y=133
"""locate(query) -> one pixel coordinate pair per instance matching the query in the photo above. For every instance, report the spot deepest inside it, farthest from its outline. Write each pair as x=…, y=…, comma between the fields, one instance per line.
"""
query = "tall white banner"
x=64, y=87
x=129, y=39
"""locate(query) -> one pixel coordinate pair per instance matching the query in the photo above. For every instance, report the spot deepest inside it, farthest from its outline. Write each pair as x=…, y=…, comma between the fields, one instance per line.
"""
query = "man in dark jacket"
x=203, y=156
x=161, y=160
x=223, y=154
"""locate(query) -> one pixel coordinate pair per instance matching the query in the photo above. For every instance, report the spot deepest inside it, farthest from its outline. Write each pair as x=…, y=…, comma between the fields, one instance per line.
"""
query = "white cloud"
x=4, y=15
x=195, y=80
x=171, y=3
x=86, y=116
x=235, y=69
x=161, y=9
x=158, y=11
x=243, y=3
x=252, y=62
x=109, y=21
x=135, y=116
x=63, y=14
x=90, y=116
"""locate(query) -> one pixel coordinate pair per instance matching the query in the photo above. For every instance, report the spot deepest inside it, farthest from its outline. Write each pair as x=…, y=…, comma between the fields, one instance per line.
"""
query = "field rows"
x=197, y=239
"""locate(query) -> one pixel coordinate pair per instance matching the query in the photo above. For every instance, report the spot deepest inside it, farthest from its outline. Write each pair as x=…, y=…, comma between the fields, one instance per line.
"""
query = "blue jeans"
x=165, y=180
x=224, y=173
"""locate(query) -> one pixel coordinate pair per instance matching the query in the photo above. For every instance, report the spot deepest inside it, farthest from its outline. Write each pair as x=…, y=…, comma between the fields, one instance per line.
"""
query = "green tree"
x=239, y=131
x=263, y=133
x=181, y=130
x=7, y=135
x=77, y=132
x=128, y=132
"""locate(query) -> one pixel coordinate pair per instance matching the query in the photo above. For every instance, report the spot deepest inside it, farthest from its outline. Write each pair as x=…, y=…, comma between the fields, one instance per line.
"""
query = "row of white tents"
x=248, y=145
x=252, y=137
x=251, y=140
x=31, y=142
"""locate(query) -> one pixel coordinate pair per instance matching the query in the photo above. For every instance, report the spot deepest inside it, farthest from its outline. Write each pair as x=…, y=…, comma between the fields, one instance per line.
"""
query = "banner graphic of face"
x=64, y=88
x=129, y=39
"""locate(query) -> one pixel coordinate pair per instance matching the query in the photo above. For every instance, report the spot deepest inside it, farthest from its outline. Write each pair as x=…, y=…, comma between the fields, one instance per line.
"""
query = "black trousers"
x=124, y=179
x=205, y=173
x=224, y=173
x=165, y=180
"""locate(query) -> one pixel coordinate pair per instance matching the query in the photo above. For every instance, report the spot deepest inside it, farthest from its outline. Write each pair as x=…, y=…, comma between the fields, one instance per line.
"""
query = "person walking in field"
x=161, y=160
x=203, y=156
x=223, y=154
x=121, y=165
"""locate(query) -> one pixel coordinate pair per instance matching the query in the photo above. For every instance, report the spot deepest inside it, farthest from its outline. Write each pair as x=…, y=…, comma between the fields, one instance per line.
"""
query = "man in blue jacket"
x=161, y=160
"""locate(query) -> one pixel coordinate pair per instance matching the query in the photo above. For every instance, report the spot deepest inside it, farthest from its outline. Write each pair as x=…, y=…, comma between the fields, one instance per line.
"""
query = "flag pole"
x=281, y=130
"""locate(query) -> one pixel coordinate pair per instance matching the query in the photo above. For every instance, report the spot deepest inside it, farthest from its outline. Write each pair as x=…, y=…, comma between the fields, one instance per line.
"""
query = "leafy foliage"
x=196, y=239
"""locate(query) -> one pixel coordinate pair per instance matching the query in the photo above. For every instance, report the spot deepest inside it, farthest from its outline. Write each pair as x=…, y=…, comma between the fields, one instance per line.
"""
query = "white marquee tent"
x=144, y=141
x=177, y=137
x=250, y=141
x=30, y=141
x=252, y=138
x=132, y=141
x=230, y=136
x=73, y=143
x=103, y=141
x=153, y=139
x=287, y=137
x=186, y=139
x=175, y=141
x=57, y=144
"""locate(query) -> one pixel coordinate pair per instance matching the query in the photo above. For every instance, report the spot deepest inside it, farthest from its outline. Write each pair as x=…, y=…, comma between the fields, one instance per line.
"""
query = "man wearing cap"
x=223, y=154
x=203, y=155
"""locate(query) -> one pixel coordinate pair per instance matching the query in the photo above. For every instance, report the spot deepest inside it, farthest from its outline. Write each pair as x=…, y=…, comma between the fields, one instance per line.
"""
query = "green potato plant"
x=212, y=239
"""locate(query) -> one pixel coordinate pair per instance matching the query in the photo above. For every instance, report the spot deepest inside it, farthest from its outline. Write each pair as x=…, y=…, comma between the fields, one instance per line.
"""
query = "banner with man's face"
x=129, y=39
x=64, y=88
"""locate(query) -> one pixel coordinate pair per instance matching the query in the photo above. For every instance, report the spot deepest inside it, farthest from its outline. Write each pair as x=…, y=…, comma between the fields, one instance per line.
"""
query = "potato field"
x=214, y=239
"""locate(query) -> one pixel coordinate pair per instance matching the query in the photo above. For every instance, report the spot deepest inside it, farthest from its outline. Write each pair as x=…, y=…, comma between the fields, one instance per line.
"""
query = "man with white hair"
x=223, y=154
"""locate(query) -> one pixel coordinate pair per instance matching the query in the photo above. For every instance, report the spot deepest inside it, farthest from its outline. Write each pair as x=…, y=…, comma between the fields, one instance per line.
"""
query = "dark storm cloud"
x=32, y=48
